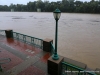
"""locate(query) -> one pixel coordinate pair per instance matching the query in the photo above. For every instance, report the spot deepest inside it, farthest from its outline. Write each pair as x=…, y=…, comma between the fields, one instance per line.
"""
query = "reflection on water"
x=78, y=34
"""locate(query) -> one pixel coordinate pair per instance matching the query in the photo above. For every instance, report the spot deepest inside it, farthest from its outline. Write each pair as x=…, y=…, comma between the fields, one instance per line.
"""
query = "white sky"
x=8, y=2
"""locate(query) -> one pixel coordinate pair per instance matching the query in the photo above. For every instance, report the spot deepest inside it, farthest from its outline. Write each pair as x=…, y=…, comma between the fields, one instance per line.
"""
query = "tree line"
x=64, y=6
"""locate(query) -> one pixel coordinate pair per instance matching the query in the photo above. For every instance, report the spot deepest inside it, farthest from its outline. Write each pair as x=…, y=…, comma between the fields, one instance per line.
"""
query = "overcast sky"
x=8, y=2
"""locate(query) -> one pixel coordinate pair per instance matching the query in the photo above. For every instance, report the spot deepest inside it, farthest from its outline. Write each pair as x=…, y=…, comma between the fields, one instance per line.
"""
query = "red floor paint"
x=14, y=59
x=32, y=70
x=18, y=45
x=45, y=57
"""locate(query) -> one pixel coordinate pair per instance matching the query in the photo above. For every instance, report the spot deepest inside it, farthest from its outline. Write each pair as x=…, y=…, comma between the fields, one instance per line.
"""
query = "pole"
x=56, y=38
x=55, y=56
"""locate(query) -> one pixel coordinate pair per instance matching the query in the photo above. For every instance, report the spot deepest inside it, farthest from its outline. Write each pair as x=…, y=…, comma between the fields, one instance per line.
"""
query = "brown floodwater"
x=78, y=34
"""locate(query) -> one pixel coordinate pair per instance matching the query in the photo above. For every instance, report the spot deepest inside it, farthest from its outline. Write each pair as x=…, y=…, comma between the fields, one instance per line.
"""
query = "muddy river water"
x=78, y=34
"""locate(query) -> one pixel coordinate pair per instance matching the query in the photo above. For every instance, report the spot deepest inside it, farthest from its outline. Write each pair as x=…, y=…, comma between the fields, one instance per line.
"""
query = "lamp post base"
x=54, y=66
x=55, y=57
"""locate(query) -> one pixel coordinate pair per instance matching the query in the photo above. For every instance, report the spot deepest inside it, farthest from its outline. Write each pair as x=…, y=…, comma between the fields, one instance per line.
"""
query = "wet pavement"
x=25, y=59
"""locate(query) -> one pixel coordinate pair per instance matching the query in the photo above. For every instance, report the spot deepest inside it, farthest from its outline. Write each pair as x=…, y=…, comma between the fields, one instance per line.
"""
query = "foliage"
x=64, y=6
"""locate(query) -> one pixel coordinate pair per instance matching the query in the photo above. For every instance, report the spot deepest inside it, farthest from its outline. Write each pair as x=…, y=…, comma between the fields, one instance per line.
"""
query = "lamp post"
x=56, y=14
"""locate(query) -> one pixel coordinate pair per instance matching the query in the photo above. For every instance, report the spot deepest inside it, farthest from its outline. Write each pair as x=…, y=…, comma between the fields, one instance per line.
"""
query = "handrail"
x=52, y=48
x=68, y=67
x=2, y=32
x=28, y=39
x=27, y=35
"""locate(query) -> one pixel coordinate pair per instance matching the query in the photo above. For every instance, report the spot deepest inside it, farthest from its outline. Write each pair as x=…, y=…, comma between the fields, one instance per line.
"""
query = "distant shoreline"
x=51, y=12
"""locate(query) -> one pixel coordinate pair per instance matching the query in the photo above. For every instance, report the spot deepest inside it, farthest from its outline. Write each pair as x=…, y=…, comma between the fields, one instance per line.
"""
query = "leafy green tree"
x=46, y=6
x=64, y=5
x=31, y=6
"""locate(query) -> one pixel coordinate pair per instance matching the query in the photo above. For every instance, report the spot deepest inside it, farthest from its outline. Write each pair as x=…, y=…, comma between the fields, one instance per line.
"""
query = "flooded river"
x=78, y=34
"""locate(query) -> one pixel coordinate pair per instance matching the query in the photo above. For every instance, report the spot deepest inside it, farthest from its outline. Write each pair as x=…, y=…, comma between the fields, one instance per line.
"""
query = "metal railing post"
x=28, y=39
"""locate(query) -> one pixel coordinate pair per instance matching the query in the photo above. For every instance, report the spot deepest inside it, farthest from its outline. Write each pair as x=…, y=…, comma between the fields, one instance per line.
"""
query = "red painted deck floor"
x=24, y=48
x=14, y=59
x=32, y=70
x=45, y=57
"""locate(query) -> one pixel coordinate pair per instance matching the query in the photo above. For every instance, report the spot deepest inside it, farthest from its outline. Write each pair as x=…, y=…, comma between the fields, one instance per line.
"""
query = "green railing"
x=28, y=39
x=68, y=69
x=52, y=48
x=2, y=32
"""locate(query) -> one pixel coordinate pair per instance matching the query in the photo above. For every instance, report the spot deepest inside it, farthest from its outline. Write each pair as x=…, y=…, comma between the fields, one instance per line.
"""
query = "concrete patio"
x=25, y=59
